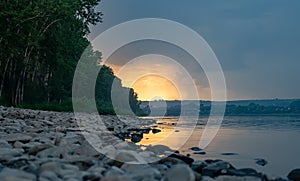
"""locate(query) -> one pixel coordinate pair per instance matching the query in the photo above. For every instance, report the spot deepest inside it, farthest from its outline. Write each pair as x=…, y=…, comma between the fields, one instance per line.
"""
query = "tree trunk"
x=4, y=75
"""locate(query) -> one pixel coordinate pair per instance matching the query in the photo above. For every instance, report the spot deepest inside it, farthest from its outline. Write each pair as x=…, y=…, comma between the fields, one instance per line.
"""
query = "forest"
x=41, y=42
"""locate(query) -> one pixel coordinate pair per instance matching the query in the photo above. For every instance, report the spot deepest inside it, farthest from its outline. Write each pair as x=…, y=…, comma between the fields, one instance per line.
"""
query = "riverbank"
x=44, y=145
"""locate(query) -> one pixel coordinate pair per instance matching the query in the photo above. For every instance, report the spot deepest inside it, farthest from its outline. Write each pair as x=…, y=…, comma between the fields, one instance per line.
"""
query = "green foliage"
x=41, y=42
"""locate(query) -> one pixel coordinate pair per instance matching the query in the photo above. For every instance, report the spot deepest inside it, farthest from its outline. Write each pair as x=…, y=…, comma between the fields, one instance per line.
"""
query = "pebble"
x=8, y=153
x=294, y=175
x=8, y=174
x=49, y=146
x=16, y=137
x=261, y=161
x=180, y=172
x=4, y=144
x=195, y=149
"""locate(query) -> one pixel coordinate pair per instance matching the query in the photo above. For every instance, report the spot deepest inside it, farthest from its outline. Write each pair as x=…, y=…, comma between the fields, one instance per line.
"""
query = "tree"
x=41, y=42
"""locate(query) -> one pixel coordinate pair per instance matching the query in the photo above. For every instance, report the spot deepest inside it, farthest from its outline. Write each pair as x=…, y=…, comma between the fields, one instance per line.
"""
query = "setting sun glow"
x=153, y=87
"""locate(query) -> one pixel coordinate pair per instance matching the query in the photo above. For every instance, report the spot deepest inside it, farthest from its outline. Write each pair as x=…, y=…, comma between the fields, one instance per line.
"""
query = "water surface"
x=273, y=138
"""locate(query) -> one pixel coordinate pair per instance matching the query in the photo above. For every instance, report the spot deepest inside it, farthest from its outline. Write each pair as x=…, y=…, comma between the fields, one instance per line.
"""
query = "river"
x=240, y=140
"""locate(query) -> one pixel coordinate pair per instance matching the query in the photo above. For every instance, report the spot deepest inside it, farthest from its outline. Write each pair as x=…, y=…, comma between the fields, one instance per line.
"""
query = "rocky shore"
x=53, y=146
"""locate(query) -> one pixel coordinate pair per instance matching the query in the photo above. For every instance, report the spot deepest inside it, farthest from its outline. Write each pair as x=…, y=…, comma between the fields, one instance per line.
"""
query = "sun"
x=154, y=87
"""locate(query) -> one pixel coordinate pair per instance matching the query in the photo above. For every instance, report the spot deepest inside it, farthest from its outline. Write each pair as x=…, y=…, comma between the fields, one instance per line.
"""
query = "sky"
x=256, y=42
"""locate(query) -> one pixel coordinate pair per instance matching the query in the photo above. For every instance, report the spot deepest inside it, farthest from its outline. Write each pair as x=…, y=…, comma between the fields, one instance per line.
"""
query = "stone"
x=23, y=162
x=144, y=173
x=216, y=168
x=9, y=153
x=294, y=175
x=8, y=174
x=126, y=156
x=170, y=161
x=48, y=176
x=74, y=139
x=229, y=154
x=37, y=148
x=57, y=152
x=184, y=158
x=24, y=138
x=236, y=178
x=180, y=172
x=4, y=144
x=18, y=144
x=60, y=129
x=154, y=131
x=158, y=149
x=161, y=168
x=96, y=169
x=195, y=148
x=51, y=166
x=82, y=162
x=116, y=178
x=198, y=165
x=136, y=137
x=261, y=161
x=114, y=171
x=86, y=150
x=199, y=153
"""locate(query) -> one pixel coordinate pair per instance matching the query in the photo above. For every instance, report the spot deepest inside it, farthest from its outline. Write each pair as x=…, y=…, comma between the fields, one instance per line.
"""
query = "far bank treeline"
x=41, y=42
x=249, y=107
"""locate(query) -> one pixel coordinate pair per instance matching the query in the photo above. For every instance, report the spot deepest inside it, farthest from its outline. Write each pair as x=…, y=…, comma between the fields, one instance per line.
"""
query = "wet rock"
x=294, y=175
x=8, y=174
x=261, y=161
x=249, y=171
x=184, y=158
x=229, y=154
x=180, y=172
x=241, y=172
x=198, y=165
x=170, y=161
x=216, y=168
x=154, y=131
x=195, y=148
x=136, y=137
x=199, y=153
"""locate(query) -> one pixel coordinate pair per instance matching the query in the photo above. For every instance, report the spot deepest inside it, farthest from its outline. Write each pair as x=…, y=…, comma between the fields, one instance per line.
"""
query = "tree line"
x=231, y=109
x=41, y=42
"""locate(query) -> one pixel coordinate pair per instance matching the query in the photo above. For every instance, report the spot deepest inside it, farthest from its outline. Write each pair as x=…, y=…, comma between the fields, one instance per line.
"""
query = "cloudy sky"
x=256, y=41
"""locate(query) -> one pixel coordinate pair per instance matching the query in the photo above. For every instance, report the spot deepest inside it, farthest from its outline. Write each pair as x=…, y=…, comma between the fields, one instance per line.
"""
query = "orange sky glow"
x=154, y=87
x=156, y=77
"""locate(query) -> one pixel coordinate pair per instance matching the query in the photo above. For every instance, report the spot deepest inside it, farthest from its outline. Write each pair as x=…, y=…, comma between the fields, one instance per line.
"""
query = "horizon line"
x=263, y=99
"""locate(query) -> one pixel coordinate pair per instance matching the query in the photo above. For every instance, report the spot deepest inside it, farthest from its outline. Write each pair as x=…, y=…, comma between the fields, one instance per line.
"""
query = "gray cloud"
x=257, y=41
